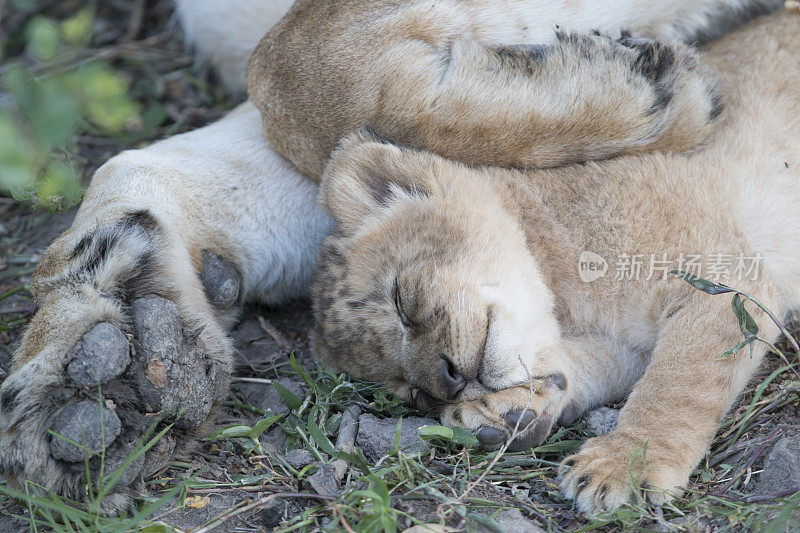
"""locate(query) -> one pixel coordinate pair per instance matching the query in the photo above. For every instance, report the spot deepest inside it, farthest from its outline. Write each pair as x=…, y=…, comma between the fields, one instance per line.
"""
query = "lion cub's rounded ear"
x=367, y=172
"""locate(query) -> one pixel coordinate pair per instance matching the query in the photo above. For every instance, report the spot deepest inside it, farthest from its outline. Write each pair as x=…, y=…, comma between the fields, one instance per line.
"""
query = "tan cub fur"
x=454, y=285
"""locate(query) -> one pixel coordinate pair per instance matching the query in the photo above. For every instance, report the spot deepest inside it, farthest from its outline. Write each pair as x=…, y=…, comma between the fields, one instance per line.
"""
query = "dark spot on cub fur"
x=141, y=218
x=98, y=256
x=663, y=98
x=525, y=58
x=558, y=380
x=81, y=246
x=381, y=188
x=654, y=60
x=8, y=399
x=98, y=245
x=717, y=106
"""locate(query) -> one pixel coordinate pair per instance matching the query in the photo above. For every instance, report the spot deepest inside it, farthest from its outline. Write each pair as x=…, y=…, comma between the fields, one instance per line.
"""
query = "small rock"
x=376, y=436
x=429, y=528
x=782, y=467
x=266, y=397
x=348, y=429
x=275, y=439
x=512, y=521
x=103, y=355
x=81, y=423
x=299, y=458
x=274, y=513
x=324, y=481
x=602, y=420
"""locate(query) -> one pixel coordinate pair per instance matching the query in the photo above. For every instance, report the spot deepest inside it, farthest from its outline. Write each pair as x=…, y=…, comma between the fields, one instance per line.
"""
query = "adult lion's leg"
x=136, y=297
x=674, y=411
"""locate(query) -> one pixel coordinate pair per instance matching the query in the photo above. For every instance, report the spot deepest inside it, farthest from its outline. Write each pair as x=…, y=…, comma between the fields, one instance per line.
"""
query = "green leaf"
x=356, y=458
x=486, y=521
x=59, y=187
x=300, y=371
x=320, y=439
x=436, y=432
x=709, y=287
x=559, y=447
x=154, y=117
x=747, y=324
x=389, y=523
x=463, y=436
x=263, y=425
x=77, y=29
x=735, y=349
x=230, y=432
x=397, y=432
x=159, y=528
x=42, y=39
x=56, y=117
x=291, y=400
x=333, y=423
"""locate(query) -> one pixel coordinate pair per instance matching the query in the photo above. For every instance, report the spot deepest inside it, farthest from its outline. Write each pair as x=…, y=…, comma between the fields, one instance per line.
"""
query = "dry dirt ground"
x=288, y=476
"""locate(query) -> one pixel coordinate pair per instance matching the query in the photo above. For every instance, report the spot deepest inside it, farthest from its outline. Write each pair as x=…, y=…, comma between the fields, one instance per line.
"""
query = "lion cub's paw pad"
x=534, y=429
x=531, y=431
x=489, y=436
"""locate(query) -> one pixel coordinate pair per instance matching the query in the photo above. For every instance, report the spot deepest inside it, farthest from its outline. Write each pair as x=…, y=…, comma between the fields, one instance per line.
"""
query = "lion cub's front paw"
x=614, y=470
x=525, y=412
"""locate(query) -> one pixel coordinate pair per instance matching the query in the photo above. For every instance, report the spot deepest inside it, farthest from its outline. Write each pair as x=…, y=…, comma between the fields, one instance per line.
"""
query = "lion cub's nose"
x=452, y=381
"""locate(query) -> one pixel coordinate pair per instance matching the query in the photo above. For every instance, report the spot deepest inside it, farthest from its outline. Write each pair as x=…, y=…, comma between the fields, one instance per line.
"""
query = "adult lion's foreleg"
x=136, y=297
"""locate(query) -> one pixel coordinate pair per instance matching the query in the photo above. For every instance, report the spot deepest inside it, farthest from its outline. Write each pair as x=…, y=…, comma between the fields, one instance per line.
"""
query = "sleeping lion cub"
x=470, y=290
x=136, y=299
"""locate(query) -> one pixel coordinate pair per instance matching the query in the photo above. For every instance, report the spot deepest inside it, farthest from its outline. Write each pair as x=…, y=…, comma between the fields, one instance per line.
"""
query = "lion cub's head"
x=426, y=284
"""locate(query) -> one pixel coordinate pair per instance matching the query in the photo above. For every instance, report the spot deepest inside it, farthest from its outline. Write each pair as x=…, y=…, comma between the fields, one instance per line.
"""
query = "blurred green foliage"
x=52, y=90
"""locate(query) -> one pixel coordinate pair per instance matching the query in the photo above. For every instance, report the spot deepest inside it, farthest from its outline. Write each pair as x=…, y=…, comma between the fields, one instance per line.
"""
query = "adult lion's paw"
x=613, y=470
x=525, y=412
x=103, y=361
